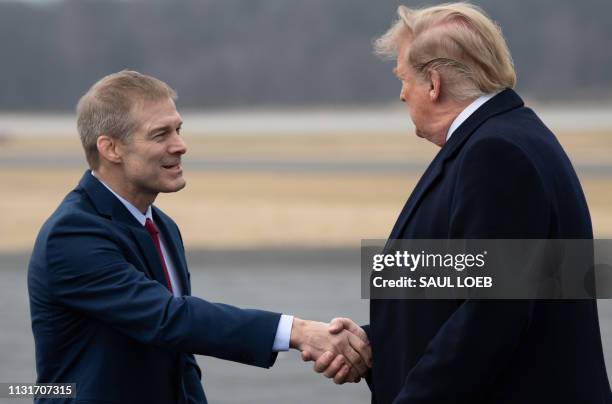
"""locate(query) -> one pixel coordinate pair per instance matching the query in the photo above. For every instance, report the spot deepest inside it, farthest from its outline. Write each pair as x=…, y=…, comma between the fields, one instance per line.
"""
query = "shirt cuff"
x=283, y=333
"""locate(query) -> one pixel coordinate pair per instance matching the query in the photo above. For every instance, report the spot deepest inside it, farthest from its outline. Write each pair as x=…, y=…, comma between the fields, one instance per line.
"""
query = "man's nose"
x=178, y=145
x=403, y=94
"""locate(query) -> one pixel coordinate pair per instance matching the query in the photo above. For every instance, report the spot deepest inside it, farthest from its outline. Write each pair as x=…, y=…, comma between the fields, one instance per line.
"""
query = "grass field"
x=244, y=209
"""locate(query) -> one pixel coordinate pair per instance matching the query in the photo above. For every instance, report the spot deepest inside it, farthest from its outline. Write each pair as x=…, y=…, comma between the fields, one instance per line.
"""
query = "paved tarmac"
x=315, y=284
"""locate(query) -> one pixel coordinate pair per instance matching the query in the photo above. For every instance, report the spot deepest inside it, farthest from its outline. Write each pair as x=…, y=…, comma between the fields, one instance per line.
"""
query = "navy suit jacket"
x=502, y=174
x=103, y=319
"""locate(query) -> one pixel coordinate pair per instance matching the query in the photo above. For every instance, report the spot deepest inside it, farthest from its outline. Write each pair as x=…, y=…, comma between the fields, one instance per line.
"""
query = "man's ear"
x=108, y=148
x=435, y=83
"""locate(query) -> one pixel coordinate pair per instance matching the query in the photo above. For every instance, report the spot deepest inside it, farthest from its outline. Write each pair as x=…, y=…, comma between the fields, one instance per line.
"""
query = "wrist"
x=297, y=333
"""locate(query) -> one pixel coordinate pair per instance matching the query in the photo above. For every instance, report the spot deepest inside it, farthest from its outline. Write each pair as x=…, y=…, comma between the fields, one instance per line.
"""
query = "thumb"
x=336, y=325
x=339, y=323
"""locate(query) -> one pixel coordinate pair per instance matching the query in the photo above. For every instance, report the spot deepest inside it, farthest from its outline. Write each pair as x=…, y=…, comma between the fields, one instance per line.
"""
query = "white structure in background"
x=332, y=120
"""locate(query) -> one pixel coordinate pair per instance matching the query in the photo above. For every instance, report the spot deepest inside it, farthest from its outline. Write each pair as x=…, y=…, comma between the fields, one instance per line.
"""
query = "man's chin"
x=175, y=186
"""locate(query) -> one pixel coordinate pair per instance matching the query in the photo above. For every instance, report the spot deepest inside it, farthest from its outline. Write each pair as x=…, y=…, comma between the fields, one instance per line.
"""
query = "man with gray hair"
x=500, y=173
x=110, y=296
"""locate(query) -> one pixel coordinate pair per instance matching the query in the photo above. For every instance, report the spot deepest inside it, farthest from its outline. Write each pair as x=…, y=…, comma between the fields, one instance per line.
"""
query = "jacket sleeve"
x=499, y=194
x=87, y=272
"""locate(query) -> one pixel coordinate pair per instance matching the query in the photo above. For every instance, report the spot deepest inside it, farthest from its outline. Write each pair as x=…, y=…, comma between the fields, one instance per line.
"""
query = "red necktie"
x=150, y=226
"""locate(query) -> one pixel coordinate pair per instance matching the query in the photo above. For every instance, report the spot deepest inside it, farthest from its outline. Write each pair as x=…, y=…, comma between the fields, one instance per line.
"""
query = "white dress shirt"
x=283, y=331
x=469, y=110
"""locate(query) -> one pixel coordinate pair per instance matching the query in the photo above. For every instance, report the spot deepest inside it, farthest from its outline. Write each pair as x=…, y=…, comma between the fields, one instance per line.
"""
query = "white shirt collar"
x=469, y=110
x=133, y=209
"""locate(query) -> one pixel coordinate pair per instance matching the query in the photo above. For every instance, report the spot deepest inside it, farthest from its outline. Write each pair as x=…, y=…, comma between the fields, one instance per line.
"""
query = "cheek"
x=148, y=158
x=416, y=114
x=141, y=166
x=413, y=109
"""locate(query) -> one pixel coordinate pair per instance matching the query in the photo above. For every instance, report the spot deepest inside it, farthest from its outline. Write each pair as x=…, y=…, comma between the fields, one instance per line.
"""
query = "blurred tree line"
x=220, y=53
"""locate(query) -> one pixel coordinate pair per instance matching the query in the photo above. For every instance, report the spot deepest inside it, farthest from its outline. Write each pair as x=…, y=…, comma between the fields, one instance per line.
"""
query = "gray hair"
x=106, y=108
x=459, y=41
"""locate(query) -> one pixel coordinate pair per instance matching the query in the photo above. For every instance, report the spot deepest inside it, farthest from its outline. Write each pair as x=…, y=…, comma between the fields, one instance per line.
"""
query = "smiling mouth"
x=176, y=166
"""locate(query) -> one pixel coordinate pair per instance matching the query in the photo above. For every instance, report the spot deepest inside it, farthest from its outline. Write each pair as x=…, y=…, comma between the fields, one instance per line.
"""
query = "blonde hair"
x=106, y=108
x=459, y=41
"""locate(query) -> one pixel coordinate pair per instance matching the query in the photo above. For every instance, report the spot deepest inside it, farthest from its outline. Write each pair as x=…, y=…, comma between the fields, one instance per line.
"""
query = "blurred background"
x=298, y=146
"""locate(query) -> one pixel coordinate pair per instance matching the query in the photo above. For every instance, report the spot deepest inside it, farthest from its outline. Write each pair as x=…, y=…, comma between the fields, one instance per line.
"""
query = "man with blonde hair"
x=500, y=173
x=110, y=296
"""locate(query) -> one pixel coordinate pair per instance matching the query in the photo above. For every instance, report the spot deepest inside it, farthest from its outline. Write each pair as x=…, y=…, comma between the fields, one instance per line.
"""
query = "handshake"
x=340, y=349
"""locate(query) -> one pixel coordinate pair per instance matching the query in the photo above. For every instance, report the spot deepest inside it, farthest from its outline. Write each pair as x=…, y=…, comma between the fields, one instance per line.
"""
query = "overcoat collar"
x=505, y=101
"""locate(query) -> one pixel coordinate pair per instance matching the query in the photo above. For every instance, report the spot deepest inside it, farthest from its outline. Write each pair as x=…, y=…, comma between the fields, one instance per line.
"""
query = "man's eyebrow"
x=165, y=127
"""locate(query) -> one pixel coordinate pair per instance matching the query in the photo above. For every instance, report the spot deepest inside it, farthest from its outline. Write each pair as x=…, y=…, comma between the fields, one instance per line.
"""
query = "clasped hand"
x=341, y=349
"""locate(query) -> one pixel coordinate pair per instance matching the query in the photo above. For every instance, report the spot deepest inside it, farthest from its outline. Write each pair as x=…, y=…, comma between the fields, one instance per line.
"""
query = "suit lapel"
x=109, y=206
x=172, y=245
x=502, y=102
x=149, y=252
